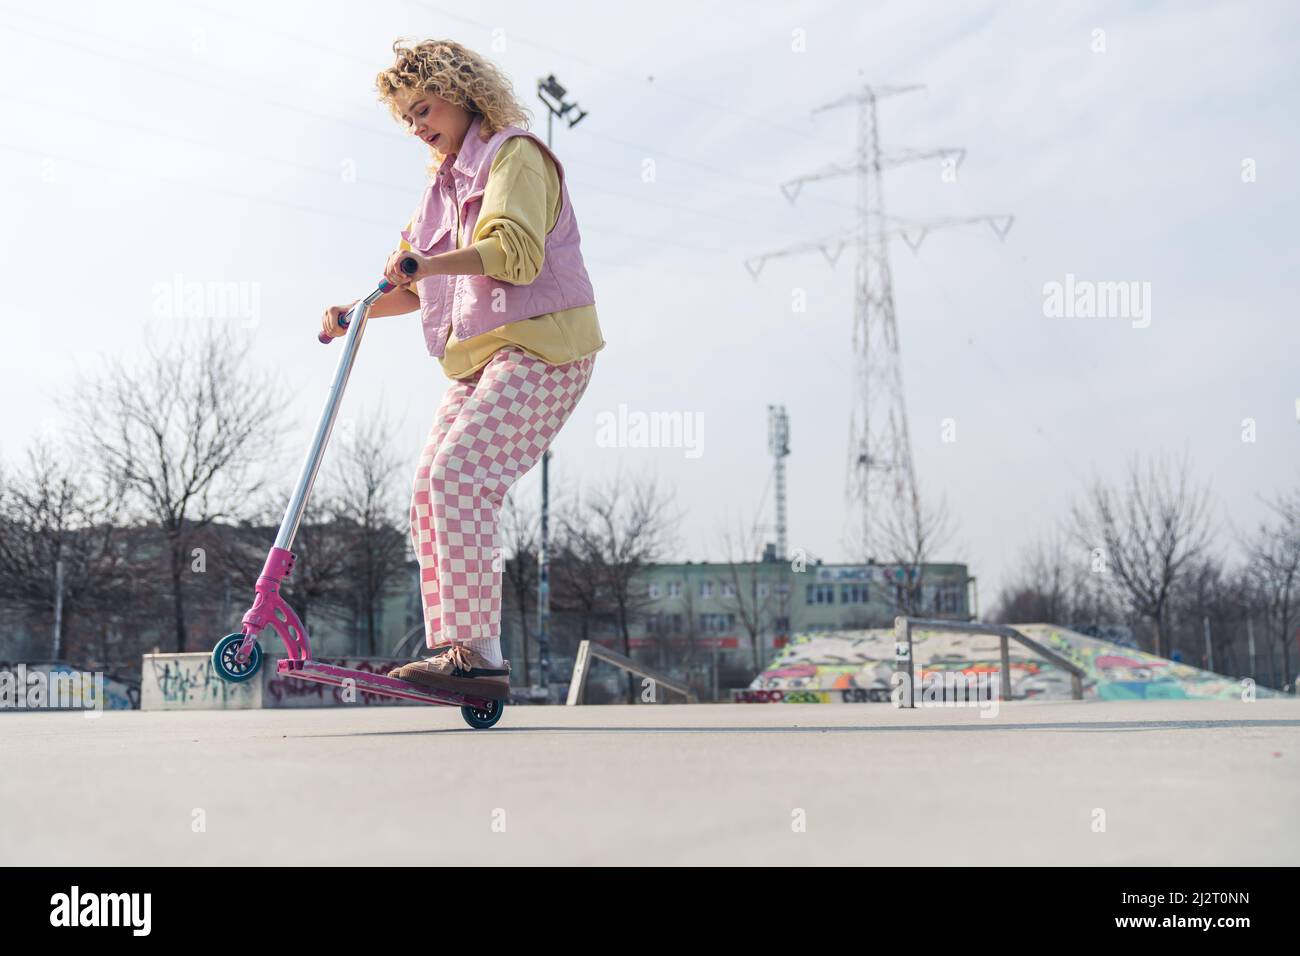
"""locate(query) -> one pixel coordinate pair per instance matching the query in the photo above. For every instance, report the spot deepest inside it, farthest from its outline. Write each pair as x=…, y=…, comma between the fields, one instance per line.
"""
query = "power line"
x=334, y=173
x=271, y=28
x=764, y=187
x=241, y=153
x=724, y=174
x=225, y=88
x=192, y=185
x=207, y=186
x=620, y=74
x=245, y=96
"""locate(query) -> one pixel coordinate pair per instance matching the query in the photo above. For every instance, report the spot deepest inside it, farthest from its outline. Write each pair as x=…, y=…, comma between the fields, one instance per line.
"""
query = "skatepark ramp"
x=1040, y=661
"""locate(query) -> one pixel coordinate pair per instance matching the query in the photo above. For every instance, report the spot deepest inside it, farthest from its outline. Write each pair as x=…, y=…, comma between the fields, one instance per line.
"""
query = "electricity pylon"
x=880, y=472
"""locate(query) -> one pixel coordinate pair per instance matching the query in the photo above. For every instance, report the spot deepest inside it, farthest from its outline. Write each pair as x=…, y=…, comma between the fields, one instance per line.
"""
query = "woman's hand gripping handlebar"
x=336, y=319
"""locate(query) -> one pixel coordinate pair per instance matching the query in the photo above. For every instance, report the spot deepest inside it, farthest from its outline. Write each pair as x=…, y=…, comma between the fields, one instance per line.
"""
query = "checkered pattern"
x=490, y=429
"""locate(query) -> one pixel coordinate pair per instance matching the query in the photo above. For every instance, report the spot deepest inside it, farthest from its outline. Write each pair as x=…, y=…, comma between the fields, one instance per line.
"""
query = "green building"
x=748, y=610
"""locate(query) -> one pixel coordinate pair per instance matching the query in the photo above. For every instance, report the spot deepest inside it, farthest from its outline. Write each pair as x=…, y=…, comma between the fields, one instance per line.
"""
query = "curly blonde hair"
x=458, y=75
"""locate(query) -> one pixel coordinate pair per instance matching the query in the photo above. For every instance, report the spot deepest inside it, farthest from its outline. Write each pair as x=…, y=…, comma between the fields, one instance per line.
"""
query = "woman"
x=508, y=309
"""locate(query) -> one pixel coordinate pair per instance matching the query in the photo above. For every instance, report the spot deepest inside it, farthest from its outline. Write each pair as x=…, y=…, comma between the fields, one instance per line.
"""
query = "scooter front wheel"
x=481, y=718
x=230, y=669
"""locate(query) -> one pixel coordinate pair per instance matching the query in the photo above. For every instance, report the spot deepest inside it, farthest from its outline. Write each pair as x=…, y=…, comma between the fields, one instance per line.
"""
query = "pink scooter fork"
x=269, y=608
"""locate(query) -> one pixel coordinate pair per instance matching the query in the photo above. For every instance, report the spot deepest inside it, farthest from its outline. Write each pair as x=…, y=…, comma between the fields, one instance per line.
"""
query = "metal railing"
x=589, y=651
x=905, y=660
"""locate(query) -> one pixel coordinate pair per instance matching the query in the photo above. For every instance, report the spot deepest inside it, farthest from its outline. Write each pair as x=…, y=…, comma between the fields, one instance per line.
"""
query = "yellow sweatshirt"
x=520, y=205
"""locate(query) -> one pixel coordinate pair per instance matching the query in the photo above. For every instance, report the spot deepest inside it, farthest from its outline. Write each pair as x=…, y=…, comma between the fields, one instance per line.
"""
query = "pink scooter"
x=238, y=657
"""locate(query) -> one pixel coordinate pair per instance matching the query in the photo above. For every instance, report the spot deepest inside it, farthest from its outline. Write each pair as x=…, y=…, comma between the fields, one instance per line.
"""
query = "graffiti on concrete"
x=857, y=665
x=188, y=682
x=1124, y=673
x=283, y=691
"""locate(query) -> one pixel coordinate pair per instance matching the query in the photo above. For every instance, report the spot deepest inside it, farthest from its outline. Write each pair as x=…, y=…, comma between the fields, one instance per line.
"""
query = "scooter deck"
x=324, y=673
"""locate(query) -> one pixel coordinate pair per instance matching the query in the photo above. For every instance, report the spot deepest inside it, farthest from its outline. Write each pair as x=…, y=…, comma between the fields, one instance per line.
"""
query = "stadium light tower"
x=778, y=444
x=550, y=92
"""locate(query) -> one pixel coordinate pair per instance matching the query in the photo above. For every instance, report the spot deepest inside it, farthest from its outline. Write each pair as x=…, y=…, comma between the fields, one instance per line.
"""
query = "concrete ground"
x=1156, y=782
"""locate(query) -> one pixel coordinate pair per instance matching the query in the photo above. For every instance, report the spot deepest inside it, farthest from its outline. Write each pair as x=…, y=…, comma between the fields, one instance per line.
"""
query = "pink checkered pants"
x=490, y=429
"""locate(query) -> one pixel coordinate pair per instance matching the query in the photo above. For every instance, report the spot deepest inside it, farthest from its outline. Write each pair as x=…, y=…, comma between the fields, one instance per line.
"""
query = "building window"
x=717, y=623
x=948, y=600
x=654, y=592
x=674, y=589
x=819, y=594
x=728, y=589
x=706, y=589
x=853, y=594
x=764, y=589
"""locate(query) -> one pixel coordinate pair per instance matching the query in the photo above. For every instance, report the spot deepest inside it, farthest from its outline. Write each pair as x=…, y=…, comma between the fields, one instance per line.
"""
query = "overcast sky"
x=149, y=144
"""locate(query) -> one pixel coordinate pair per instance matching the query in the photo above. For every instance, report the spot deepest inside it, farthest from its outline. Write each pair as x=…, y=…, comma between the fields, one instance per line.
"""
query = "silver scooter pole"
x=354, y=320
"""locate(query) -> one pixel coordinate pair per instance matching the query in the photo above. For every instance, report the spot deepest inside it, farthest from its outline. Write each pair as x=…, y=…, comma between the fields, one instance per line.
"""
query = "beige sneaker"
x=461, y=670
x=437, y=647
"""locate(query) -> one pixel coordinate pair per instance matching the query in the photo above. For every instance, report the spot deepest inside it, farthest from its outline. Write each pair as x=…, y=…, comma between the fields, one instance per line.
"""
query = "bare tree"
x=575, y=579
x=349, y=546
x=1041, y=587
x=362, y=501
x=322, y=548
x=744, y=573
x=616, y=532
x=1209, y=594
x=1146, y=535
x=186, y=435
x=577, y=571
x=1054, y=584
x=51, y=514
x=1274, y=570
x=909, y=530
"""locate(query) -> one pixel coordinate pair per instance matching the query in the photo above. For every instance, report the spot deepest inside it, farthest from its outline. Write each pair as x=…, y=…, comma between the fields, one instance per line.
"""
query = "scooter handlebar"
x=408, y=267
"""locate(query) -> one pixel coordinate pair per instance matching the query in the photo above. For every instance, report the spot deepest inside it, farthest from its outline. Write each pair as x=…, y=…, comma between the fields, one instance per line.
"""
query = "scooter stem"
x=356, y=326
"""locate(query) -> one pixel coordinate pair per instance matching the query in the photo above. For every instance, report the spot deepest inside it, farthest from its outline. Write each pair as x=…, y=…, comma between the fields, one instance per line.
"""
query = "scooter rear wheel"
x=481, y=718
x=229, y=669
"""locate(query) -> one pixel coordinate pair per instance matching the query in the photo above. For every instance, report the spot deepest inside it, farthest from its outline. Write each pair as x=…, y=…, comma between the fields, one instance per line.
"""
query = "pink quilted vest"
x=472, y=305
